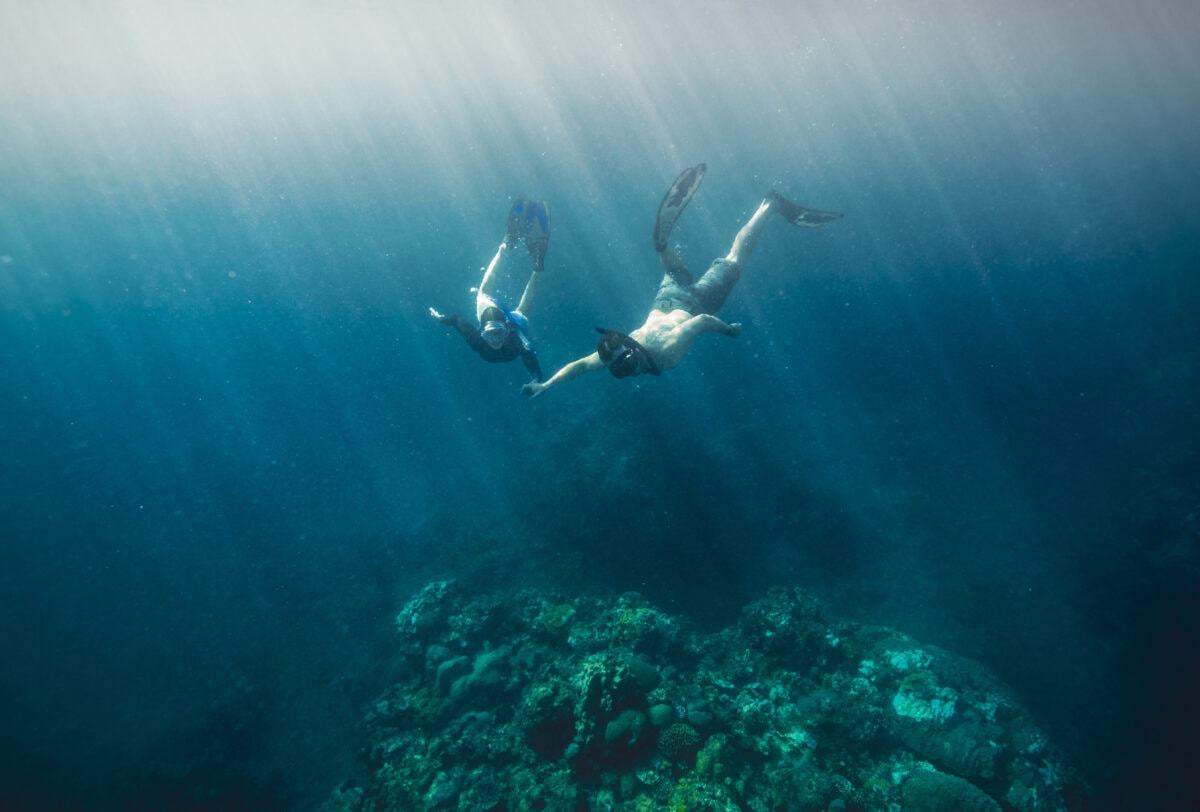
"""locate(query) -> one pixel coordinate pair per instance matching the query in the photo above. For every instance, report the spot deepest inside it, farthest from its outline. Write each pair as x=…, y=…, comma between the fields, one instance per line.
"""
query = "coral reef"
x=527, y=702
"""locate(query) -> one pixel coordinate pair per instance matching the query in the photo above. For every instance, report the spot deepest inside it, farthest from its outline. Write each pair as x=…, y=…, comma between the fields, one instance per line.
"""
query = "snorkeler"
x=503, y=334
x=684, y=308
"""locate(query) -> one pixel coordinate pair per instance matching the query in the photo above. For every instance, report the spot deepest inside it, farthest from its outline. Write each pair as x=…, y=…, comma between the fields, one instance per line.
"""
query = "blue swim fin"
x=537, y=232
x=529, y=220
x=516, y=219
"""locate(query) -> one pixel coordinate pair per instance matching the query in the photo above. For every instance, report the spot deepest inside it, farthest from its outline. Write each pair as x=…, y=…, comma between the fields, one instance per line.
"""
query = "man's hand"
x=533, y=389
x=735, y=329
x=436, y=315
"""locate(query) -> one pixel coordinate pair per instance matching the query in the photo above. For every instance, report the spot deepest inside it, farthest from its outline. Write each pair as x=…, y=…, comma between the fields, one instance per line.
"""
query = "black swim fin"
x=674, y=202
x=797, y=215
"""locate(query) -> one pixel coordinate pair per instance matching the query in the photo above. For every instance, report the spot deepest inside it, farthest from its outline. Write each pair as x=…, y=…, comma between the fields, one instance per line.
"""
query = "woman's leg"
x=527, y=297
x=483, y=295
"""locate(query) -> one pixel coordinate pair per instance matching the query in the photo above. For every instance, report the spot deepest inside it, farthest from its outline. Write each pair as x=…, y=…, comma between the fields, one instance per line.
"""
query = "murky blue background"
x=233, y=440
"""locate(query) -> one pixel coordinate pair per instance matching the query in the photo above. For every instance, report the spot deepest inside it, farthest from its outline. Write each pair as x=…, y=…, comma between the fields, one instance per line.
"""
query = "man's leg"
x=712, y=289
x=747, y=238
x=674, y=266
x=797, y=215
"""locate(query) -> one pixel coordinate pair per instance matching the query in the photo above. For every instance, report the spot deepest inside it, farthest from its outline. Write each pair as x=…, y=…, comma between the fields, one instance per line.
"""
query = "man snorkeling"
x=503, y=334
x=684, y=307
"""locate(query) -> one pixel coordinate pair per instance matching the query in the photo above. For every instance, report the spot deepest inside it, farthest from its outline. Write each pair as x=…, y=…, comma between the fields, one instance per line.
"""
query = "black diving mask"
x=623, y=355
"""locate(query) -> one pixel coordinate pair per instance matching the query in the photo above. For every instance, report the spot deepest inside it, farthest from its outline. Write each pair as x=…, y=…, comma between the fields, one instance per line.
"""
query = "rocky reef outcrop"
x=529, y=701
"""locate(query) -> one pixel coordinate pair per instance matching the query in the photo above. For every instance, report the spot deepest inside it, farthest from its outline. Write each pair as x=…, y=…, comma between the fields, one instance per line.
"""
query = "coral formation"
x=530, y=702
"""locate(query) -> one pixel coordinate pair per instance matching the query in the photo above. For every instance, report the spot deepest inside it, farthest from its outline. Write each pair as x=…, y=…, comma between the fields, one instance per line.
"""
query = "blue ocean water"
x=234, y=440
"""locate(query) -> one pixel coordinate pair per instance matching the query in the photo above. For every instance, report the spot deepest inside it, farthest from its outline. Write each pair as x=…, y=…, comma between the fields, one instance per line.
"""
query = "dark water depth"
x=234, y=442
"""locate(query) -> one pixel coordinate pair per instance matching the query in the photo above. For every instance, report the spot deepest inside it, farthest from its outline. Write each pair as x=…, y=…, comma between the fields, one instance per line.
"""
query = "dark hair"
x=611, y=344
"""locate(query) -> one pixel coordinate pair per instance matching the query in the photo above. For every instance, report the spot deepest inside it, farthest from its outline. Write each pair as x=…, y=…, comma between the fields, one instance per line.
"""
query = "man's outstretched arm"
x=685, y=335
x=708, y=323
x=571, y=370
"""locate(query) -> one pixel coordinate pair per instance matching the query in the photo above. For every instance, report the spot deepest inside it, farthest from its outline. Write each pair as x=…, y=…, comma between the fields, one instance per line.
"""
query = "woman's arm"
x=463, y=327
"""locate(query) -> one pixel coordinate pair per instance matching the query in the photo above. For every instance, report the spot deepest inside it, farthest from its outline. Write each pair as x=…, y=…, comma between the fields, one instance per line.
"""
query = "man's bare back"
x=669, y=336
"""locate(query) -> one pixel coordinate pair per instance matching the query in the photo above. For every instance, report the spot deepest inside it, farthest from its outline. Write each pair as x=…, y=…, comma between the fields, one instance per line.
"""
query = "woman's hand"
x=533, y=388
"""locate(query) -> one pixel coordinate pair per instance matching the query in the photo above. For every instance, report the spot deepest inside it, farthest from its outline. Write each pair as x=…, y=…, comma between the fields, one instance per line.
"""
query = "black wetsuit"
x=512, y=348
